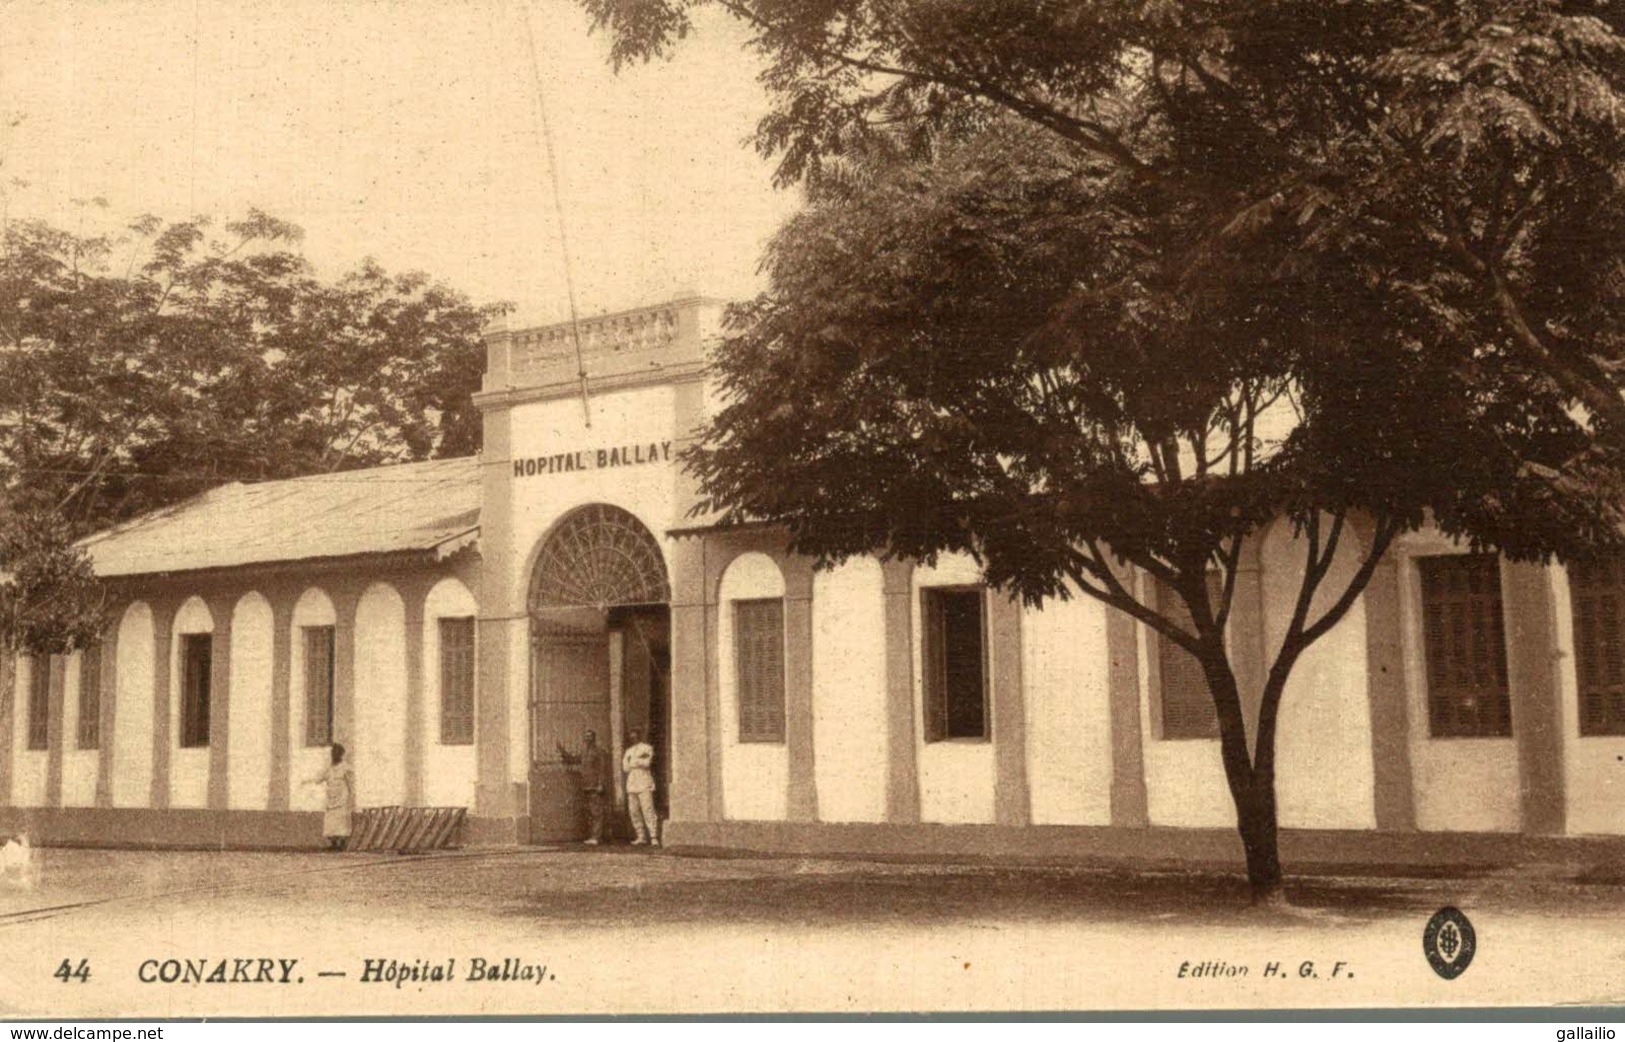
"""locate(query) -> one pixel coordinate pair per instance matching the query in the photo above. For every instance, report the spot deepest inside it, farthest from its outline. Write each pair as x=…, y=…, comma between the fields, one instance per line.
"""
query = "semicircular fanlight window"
x=599, y=557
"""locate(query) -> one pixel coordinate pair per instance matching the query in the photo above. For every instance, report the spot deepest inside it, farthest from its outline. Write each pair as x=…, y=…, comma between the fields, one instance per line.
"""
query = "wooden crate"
x=405, y=829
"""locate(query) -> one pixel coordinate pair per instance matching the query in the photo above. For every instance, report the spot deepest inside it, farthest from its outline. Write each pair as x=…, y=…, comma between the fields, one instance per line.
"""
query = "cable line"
x=558, y=209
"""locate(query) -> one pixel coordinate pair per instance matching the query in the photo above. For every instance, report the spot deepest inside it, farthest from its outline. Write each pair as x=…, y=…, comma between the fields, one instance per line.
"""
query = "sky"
x=404, y=131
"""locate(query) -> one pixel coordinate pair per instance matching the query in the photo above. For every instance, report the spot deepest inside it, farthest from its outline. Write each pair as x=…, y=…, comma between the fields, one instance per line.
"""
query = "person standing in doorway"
x=595, y=786
x=340, y=782
x=637, y=762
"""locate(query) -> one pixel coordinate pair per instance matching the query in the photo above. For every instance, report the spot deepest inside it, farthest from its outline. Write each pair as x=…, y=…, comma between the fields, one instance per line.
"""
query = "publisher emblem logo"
x=1449, y=943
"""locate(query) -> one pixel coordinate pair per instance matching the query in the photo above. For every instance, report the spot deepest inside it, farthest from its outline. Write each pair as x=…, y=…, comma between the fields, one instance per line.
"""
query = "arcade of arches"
x=881, y=706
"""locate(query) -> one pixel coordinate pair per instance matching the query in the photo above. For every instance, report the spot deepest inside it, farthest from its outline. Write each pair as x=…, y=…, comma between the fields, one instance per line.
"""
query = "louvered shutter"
x=90, y=697
x=457, y=681
x=1465, y=638
x=318, y=685
x=1597, y=598
x=39, y=702
x=759, y=665
x=934, y=653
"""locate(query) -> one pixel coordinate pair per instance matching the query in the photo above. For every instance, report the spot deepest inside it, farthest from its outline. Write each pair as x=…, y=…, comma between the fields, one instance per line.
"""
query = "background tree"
x=140, y=370
x=1082, y=285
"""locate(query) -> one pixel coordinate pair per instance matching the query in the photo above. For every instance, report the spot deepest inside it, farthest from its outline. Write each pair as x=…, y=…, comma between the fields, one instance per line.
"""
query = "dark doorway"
x=646, y=686
x=600, y=660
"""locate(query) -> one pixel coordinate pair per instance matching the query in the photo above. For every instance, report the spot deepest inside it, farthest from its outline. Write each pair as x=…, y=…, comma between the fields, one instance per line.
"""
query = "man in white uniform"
x=640, y=788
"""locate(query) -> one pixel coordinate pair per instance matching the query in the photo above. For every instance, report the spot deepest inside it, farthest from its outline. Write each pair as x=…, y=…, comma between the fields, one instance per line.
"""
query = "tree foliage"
x=1082, y=285
x=140, y=369
x=1468, y=151
x=50, y=602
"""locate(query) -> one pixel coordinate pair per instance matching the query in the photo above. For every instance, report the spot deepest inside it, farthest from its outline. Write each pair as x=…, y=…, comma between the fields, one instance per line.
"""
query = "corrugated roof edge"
x=457, y=543
x=175, y=509
x=337, y=562
x=361, y=474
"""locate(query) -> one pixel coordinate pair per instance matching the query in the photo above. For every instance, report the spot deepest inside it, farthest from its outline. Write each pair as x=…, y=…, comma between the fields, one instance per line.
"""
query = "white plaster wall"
x=620, y=419
x=956, y=777
x=1065, y=676
x=849, y=691
x=188, y=768
x=132, y=709
x=1460, y=784
x=379, y=741
x=1324, y=773
x=1594, y=777
x=28, y=766
x=1185, y=784
x=79, y=766
x=518, y=701
x=313, y=608
x=248, y=775
x=448, y=770
x=755, y=775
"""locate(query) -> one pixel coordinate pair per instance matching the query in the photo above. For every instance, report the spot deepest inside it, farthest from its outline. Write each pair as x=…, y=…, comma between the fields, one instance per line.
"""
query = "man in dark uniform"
x=595, y=787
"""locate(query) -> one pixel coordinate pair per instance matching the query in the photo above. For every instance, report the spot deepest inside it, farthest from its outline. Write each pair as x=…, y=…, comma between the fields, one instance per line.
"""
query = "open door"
x=644, y=697
x=571, y=696
x=599, y=657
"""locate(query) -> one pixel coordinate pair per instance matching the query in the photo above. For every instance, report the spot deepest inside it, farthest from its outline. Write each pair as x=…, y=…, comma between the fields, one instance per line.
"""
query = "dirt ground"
x=539, y=932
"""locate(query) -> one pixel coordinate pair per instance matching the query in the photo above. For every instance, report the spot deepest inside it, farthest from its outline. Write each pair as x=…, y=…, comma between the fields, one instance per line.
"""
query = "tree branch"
x=1593, y=389
x=1386, y=531
x=1092, y=136
x=1117, y=596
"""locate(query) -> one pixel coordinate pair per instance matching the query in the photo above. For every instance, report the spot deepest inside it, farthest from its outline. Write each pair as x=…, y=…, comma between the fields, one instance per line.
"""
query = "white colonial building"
x=460, y=624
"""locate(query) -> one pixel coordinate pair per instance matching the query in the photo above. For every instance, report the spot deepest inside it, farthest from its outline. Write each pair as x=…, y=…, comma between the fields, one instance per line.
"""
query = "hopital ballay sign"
x=593, y=459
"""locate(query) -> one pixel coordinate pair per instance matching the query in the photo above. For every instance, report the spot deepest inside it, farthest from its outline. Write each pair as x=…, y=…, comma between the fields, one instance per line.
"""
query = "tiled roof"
x=433, y=506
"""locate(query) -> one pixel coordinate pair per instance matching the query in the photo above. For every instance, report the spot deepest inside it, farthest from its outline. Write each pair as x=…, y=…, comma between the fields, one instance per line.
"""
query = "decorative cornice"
x=713, y=527
x=394, y=560
x=676, y=373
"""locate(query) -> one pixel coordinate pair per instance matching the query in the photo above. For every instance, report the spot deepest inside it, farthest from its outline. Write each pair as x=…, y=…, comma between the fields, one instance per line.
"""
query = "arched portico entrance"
x=600, y=658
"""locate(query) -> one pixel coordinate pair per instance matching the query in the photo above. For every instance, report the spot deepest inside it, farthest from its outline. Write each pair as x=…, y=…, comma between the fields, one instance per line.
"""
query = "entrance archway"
x=600, y=658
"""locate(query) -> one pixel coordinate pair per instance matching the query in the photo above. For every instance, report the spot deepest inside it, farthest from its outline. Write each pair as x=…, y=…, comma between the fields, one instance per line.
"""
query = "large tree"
x=142, y=368
x=1087, y=285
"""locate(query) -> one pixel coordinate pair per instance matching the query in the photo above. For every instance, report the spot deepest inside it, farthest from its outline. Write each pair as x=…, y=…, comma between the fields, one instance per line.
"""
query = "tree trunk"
x=1260, y=839
x=1251, y=778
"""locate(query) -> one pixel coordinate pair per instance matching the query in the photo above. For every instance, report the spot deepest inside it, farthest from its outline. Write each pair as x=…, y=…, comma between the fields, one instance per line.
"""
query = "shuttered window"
x=39, y=702
x=954, y=654
x=1597, y=599
x=1187, y=710
x=318, y=685
x=197, y=669
x=90, y=697
x=759, y=668
x=457, y=681
x=1463, y=631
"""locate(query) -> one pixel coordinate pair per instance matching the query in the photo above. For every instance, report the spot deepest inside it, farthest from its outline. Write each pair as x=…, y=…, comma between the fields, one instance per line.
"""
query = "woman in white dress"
x=340, y=782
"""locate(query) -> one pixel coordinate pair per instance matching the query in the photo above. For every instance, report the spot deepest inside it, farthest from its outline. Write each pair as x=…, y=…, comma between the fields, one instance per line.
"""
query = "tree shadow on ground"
x=968, y=896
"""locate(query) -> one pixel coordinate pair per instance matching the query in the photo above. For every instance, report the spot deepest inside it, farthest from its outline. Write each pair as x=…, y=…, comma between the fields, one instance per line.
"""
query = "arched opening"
x=600, y=661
